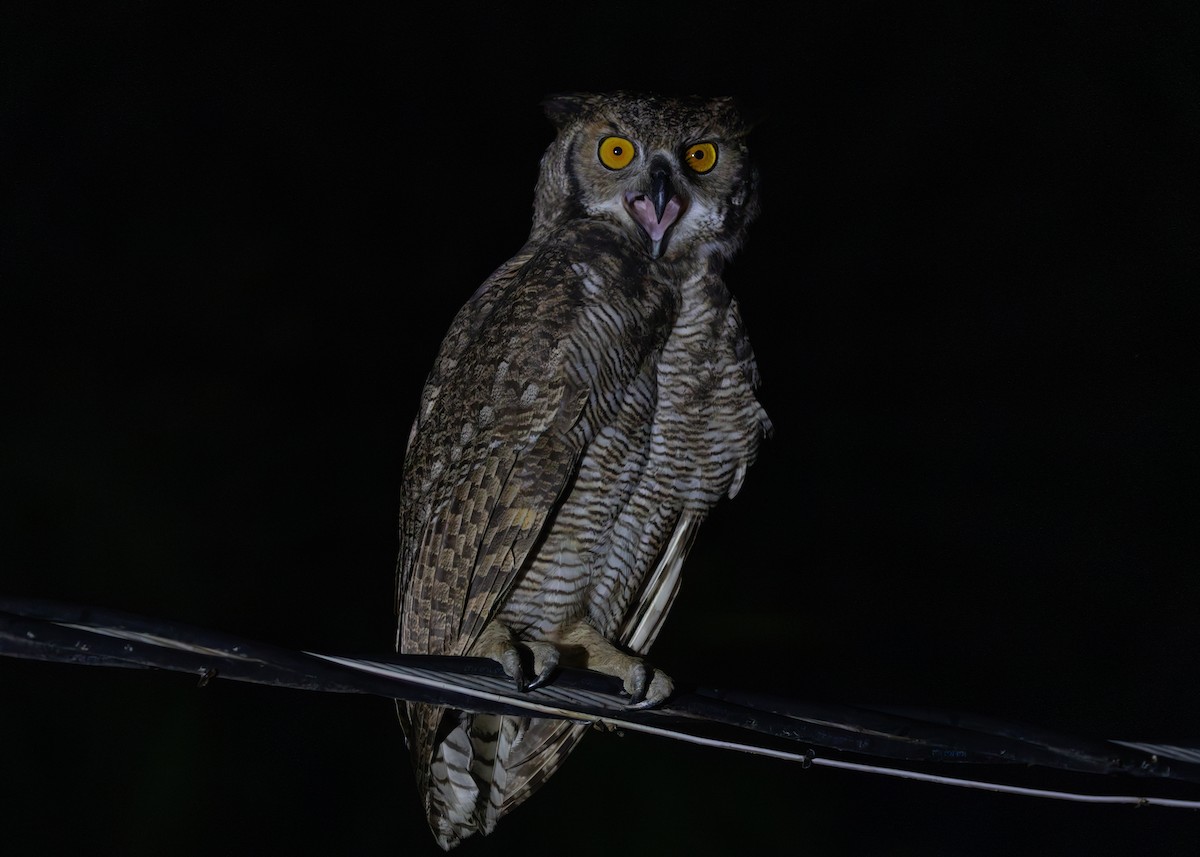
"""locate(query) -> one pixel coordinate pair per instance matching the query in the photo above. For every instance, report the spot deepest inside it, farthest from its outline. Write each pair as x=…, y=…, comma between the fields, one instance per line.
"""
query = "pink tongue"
x=643, y=211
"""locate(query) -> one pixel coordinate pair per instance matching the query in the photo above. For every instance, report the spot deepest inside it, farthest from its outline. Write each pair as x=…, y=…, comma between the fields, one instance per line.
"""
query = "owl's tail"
x=485, y=765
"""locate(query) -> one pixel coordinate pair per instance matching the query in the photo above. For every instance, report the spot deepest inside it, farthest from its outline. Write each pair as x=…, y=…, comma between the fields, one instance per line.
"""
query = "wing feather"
x=526, y=499
x=642, y=625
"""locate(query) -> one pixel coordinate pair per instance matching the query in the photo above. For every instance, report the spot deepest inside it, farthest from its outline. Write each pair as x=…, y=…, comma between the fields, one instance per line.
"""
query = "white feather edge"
x=640, y=630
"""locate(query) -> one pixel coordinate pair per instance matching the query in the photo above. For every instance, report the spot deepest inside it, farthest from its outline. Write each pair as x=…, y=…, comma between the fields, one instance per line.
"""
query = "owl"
x=589, y=405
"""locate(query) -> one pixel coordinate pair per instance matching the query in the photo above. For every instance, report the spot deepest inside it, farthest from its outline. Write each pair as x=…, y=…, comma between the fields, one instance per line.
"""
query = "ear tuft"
x=561, y=108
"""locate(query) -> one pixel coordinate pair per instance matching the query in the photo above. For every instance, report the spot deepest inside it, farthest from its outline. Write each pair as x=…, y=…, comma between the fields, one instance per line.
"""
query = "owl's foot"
x=545, y=662
x=646, y=686
x=499, y=644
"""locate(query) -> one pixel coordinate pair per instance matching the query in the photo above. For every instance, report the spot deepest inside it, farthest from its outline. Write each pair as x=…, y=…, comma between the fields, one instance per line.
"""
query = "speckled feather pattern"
x=588, y=406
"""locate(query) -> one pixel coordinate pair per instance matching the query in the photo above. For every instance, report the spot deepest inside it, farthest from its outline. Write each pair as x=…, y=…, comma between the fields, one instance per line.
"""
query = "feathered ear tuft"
x=751, y=110
x=732, y=111
x=563, y=107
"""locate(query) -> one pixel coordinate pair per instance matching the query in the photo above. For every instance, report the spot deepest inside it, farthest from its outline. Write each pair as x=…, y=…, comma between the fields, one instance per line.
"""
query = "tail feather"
x=476, y=768
x=452, y=790
x=542, y=746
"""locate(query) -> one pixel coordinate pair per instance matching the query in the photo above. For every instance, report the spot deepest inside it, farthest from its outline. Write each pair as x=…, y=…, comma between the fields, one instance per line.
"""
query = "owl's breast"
x=672, y=421
x=708, y=423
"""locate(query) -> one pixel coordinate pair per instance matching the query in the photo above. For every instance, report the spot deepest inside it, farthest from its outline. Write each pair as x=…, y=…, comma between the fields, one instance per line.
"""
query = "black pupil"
x=698, y=154
x=616, y=151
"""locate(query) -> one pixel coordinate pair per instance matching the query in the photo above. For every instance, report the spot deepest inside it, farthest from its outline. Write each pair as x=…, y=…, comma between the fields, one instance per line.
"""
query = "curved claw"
x=637, y=684
x=658, y=691
x=645, y=685
x=540, y=679
x=510, y=662
x=497, y=643
x=545, y=662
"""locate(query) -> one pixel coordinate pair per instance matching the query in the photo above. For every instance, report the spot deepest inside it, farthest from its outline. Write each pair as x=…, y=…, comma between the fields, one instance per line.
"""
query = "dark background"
x=231, y=242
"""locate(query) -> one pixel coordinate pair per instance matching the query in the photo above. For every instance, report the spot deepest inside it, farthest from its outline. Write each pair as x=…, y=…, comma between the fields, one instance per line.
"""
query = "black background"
x=231, y=242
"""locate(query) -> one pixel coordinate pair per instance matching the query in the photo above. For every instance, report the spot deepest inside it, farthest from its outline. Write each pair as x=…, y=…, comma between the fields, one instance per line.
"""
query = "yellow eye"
x=701, y=157
x=616, y=152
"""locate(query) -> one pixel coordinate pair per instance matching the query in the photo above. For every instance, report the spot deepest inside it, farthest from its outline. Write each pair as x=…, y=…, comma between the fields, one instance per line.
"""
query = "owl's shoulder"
x=556, y=283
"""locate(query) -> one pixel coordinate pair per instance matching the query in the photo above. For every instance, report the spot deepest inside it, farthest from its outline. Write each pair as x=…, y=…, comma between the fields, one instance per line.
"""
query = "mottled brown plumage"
x=589, y=405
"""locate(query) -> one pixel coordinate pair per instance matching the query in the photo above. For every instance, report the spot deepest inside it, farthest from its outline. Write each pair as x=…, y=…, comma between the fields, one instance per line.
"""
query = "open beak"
x=657, y=209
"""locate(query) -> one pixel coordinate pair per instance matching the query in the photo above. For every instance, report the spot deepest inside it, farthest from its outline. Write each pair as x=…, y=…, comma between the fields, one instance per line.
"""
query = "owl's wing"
x=426, y=482
x=484, y=471
x=503, y=424
x=482, y=525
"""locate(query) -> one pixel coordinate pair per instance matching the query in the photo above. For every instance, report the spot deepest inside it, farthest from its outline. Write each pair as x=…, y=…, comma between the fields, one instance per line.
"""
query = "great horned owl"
x=589, y=405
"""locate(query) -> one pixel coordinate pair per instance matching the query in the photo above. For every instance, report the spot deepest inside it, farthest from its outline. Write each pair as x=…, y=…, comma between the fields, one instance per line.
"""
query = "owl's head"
x=672, y=172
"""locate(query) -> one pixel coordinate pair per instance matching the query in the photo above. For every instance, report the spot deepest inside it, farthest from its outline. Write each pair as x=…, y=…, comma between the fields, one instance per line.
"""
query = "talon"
x=545, y=662
x=497, y=643
x=636, y=685
x=510, y=661
x=645, y=685
x=656, y=694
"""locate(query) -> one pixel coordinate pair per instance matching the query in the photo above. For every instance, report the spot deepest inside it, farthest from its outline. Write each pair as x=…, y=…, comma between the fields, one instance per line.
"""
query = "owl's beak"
x=661, y=188
x=657, y=209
